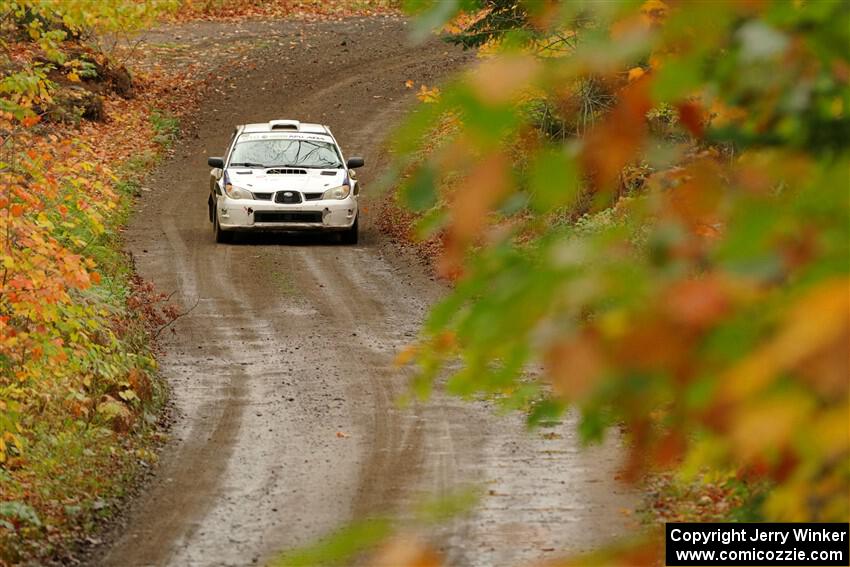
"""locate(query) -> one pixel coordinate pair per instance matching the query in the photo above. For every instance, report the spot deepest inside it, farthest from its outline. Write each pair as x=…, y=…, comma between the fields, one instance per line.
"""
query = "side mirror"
x=355, y=162
x=216, y=162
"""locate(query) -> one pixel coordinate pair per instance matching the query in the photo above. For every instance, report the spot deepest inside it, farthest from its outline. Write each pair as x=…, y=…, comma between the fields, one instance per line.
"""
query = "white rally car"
x=283, y=175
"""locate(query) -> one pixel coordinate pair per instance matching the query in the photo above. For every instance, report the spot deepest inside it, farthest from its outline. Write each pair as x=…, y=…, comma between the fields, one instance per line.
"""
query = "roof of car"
x=287, y=125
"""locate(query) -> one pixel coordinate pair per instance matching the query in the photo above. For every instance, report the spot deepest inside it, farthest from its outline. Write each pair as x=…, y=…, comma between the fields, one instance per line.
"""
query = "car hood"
x=280, y=179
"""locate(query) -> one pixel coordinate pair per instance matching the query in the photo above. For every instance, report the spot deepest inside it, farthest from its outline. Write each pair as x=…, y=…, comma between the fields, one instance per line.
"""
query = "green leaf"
x=19, y=511
x=433, y=15
x=419, y=194
x=554, y=180
x=431, y=223
x=677, y=79
x=445, y=508
x=339, y=548
x=545, y=412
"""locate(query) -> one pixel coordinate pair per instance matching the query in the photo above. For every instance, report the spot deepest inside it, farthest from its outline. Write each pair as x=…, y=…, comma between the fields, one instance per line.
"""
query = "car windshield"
x=285, y=152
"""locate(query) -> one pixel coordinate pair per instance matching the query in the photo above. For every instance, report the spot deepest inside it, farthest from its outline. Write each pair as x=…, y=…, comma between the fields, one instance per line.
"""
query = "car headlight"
x=237, y=192
x=340, y=192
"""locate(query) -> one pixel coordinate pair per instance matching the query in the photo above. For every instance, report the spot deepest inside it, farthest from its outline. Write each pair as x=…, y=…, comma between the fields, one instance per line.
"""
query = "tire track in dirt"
x=257, y=445
x=293, y=339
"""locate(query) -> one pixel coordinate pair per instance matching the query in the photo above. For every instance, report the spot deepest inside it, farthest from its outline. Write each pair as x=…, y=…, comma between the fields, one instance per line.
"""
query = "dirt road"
x=282, y=374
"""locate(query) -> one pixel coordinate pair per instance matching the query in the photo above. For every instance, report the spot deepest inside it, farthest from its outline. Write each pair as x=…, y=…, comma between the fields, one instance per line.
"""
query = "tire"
x=352, y=235
x=221, y=236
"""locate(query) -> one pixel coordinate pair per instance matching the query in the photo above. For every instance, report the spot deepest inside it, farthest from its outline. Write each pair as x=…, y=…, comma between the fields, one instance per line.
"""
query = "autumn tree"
x=679, y=263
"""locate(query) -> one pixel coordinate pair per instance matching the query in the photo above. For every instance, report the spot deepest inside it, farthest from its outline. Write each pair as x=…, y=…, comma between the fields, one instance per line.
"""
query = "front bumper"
x=257, y=215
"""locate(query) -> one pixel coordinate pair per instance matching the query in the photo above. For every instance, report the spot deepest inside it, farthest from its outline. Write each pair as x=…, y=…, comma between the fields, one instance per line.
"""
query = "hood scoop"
x=286, y=171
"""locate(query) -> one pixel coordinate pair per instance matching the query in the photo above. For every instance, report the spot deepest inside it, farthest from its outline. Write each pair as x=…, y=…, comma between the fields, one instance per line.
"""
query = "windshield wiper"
x=246, y=164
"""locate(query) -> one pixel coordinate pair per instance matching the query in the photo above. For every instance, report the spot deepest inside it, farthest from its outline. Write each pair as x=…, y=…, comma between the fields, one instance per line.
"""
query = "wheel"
x=221, y=236
x=351, y=235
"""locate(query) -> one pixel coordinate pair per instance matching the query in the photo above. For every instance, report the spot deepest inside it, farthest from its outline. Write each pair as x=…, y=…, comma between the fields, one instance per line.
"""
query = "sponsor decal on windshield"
x=284, y=136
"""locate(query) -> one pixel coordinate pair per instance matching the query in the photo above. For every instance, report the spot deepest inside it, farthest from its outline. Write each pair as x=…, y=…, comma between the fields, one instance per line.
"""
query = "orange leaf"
x=574, y=367
x=406, y=551
x=404, y=357
x=485, y=187
x=428, y=95
x=500, y=80
x=697, y=303
x=17, y=210
x=655, y=11
x=766, y=427
x=690, y=114
x=811, y=325
x=615, y=142
x=669, y=449
x=636, y=73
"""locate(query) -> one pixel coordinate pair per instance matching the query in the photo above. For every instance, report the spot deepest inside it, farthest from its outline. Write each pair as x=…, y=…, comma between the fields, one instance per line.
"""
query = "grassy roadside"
x=81, y=399
x=239, y=10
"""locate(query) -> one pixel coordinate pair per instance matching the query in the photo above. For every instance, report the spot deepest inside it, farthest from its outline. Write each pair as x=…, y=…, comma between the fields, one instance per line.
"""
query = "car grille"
x=263, y=196
x=312, y=196
x=283, y=216
x=287, y=197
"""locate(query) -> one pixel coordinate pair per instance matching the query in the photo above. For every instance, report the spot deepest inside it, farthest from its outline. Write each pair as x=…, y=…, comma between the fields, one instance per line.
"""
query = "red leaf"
x=690, y=114
x=617, y=140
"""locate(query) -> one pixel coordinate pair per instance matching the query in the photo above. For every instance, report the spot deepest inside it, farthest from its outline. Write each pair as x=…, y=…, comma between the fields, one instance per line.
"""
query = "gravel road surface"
x=282, y=375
